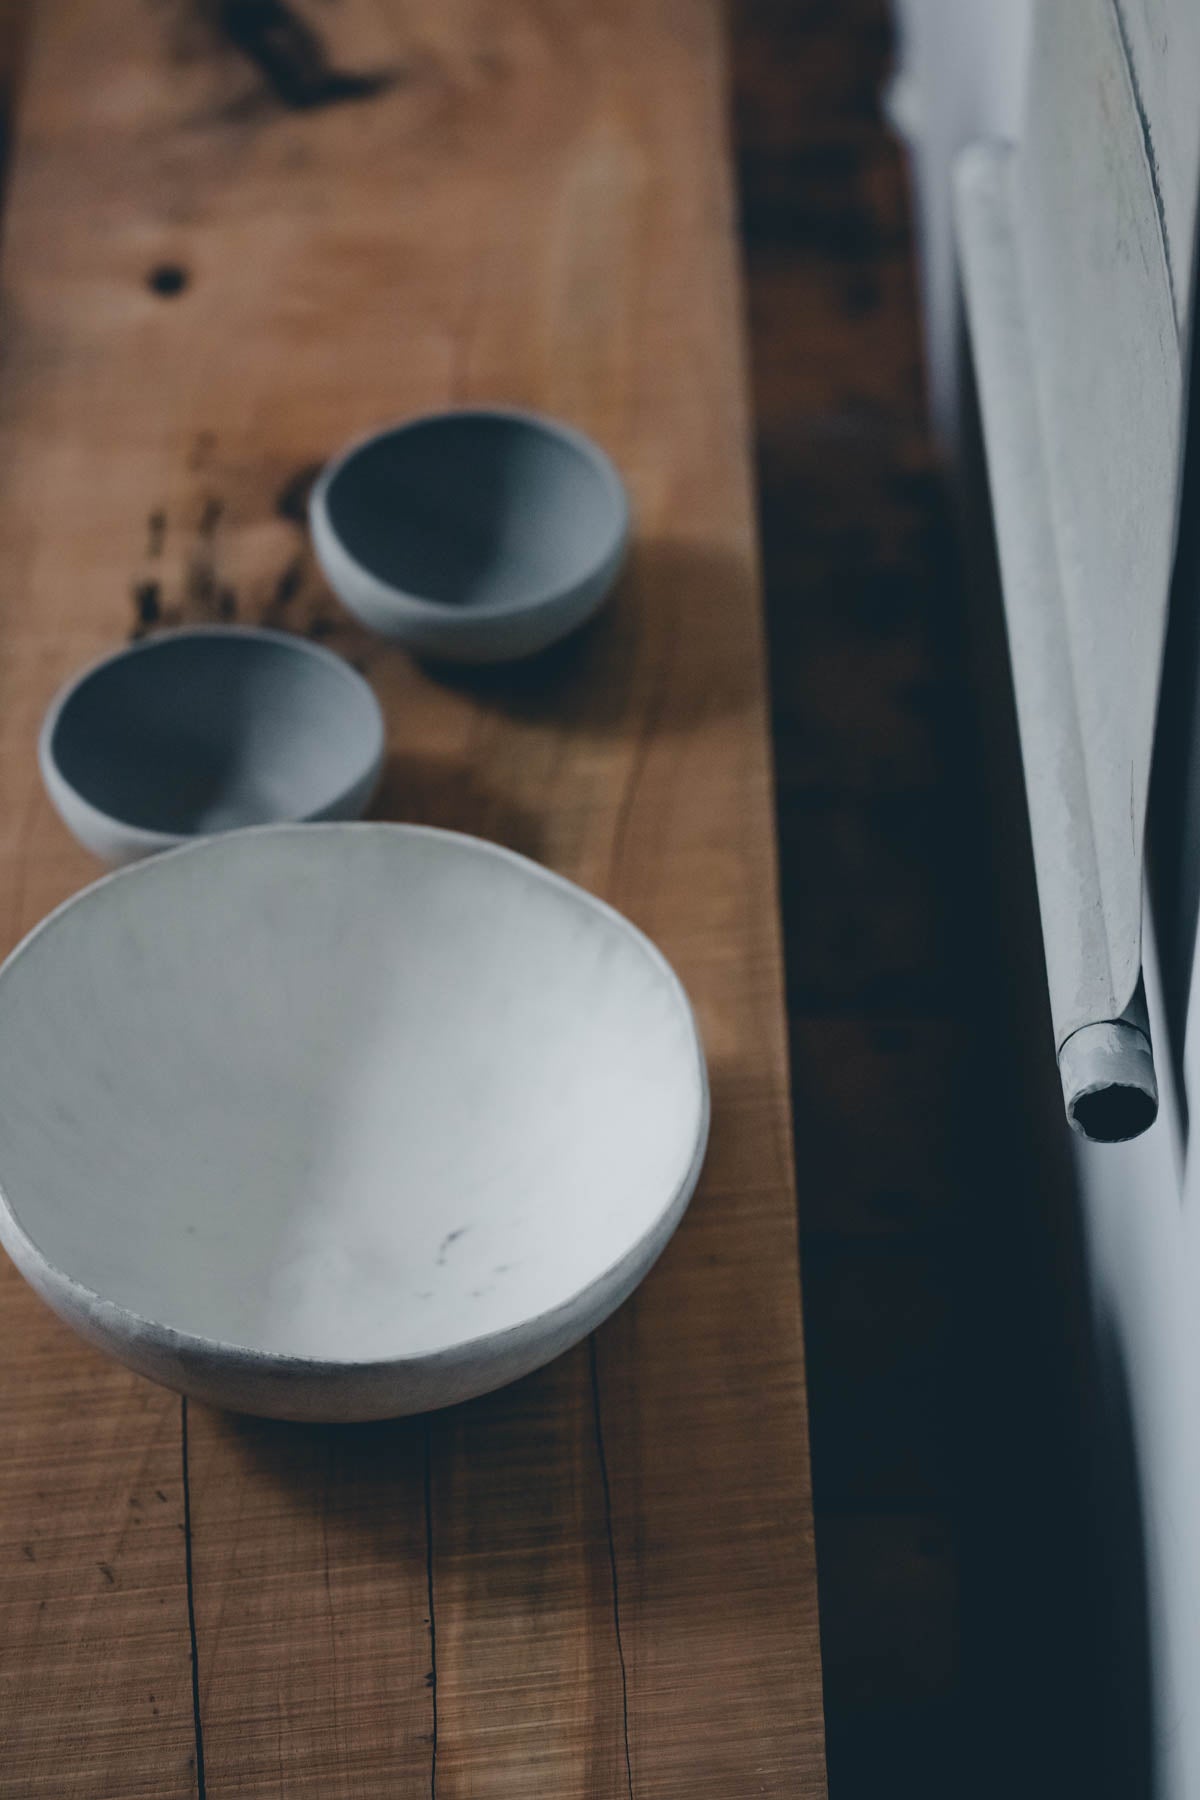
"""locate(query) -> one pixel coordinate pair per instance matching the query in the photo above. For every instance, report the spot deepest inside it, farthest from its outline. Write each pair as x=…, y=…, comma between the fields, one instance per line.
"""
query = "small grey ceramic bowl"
x=206, y=730
x=472, y=536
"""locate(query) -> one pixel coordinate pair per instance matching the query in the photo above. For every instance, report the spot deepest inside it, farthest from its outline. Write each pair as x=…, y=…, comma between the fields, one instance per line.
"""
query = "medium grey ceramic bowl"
x=473, y=536
x=342, y=1121
x=206, y=730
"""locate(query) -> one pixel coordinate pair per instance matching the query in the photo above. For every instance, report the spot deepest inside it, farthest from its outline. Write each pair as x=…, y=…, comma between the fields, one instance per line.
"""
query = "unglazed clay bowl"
x=473, y=536
x=341, y=1121
x=207, y=730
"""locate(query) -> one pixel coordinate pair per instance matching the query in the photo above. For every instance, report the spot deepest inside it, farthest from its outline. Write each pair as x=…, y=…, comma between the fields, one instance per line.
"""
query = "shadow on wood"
x=595, y=682
x=428, y=790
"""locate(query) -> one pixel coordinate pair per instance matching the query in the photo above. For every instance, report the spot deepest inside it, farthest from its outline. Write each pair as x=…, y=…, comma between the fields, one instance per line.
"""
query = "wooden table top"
x=236, y=235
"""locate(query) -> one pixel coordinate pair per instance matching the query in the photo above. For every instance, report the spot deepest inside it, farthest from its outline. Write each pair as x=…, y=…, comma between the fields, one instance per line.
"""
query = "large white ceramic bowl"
x=341, y=1121
x=477, y=535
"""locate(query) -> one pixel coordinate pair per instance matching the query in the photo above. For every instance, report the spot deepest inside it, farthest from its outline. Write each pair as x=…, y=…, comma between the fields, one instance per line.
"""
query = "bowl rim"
x=146, y=837
x=327, y=538
x=31, y=1261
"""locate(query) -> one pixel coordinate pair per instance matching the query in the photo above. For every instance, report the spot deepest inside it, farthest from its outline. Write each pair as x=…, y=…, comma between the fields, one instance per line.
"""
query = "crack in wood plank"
x=201, y=1786
x=612, y=1555
x=433, y=1687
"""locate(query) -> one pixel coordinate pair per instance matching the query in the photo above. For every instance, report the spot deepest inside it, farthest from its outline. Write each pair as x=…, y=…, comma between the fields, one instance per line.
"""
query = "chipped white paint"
x=1162, y=41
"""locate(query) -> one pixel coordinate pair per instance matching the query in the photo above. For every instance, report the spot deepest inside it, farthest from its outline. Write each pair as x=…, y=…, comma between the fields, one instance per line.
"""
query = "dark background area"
x=963, y=1611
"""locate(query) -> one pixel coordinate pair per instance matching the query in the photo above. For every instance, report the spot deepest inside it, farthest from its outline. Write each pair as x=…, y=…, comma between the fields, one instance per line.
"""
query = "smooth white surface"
x=388, y=1100
x=476, y=535
x=208, y=729
x=1141, y=1213
x=1086, y=757
x=963, y=68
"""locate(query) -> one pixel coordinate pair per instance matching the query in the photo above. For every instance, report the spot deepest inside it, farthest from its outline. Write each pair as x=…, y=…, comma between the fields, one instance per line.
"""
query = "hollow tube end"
x=1108, y=1081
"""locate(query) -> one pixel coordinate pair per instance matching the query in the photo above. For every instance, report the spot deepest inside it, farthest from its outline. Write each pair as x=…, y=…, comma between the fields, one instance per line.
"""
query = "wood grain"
x=238, y=234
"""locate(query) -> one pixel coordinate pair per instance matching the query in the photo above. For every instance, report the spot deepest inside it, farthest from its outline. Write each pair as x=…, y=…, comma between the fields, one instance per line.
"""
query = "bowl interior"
x=476, y=510
x=200, y=732
x=344, y=1092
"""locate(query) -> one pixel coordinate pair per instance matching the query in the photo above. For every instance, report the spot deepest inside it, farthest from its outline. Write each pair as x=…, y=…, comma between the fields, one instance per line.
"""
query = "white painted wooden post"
x=1139, y=1201
x=1071, y=307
